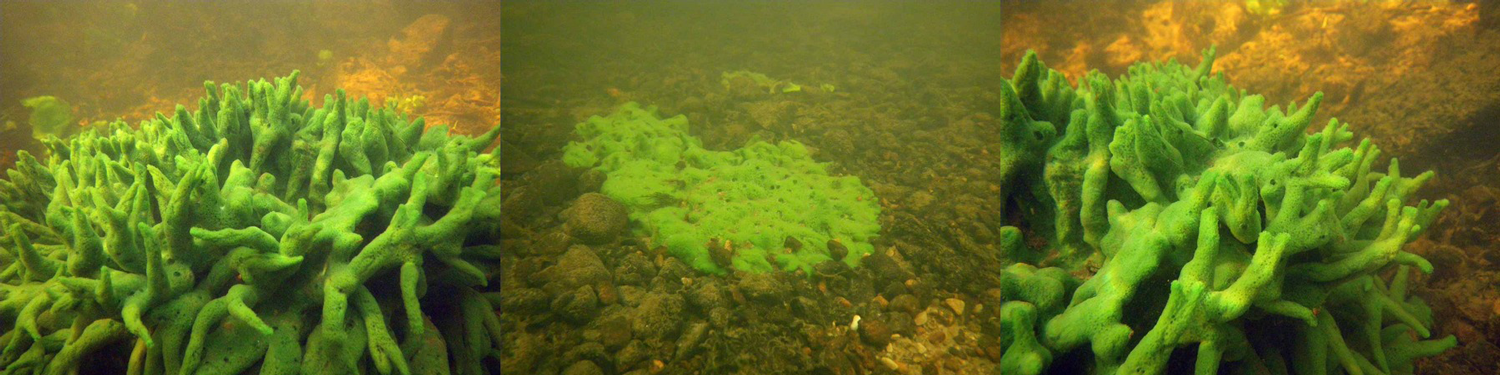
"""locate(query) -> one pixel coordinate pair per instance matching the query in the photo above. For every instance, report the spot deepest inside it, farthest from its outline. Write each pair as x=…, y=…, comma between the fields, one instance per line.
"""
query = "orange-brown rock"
x=420, y=42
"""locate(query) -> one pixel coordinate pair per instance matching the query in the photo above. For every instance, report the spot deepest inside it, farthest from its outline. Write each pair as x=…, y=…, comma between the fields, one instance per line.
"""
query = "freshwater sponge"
x=1210, y=223
x=759, y=208
x=256, y=232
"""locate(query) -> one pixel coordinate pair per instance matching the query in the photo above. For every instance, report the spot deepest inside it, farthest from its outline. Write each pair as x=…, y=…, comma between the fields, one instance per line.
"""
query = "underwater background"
x=131, y=59
x=783, y=187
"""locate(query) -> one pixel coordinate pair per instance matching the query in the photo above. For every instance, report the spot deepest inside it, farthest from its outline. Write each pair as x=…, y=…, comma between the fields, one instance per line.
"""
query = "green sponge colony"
x=759, y=208
x=1218, y=226
x=257, y=233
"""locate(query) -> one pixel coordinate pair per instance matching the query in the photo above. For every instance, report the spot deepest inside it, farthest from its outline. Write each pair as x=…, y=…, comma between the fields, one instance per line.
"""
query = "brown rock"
x=634, y=269
x=578, y=305
x=607, y=294
x=905, y=303
x=583, y=368
x=614, y=331
x=763, y=287
x=552, y=243
x=419, y=42
x=875, y=332
x=579, y=266
x=956, y=304
x=558, y=182
x=596, y=219
x=721, y=255
x=659, y=316
x=836, y=250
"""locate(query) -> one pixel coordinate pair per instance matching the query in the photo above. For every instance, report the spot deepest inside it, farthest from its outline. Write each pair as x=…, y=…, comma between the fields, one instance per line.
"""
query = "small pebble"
x=956, y=304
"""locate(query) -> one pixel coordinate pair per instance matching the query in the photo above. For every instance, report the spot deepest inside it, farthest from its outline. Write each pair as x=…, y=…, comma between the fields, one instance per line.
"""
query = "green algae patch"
x=771, y=85
x=49, y=116
x=760, y=208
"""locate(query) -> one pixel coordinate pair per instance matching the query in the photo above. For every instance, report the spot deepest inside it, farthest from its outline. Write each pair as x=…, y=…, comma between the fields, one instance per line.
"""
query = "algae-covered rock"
x=659, y=316
x=578, y=305
x=579, y=266
x=583, y=368
x=596, y=219
x=763, y=288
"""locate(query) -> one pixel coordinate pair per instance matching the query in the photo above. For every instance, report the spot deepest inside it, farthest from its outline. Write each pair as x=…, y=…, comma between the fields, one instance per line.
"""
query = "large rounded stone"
x=577, y=306
x=596, y=219
x=579, y=266
x=659, y=316
x=763, y=288
x=583, y=368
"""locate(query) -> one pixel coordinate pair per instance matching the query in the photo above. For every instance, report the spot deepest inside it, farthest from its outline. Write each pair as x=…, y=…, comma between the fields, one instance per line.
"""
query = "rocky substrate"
x=581, y=296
